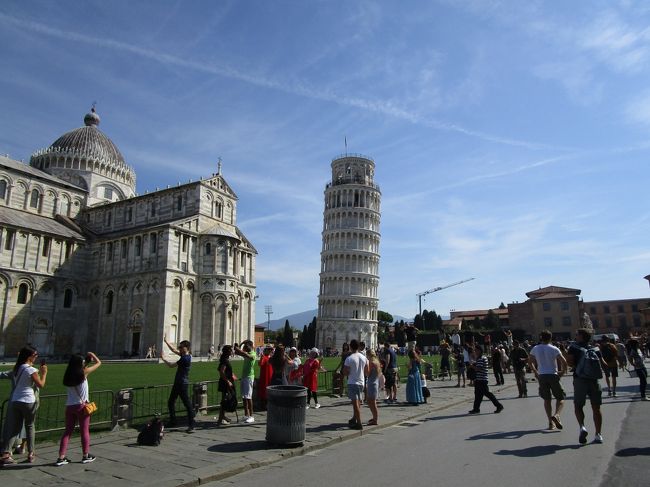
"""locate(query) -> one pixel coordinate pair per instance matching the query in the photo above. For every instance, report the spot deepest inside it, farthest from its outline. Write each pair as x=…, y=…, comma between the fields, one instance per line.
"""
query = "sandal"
x=372, y=422
x=7, y=460
x=30, y=457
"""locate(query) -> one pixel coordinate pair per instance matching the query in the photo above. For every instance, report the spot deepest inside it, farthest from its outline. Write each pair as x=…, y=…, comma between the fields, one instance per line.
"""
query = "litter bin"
x=285, y=420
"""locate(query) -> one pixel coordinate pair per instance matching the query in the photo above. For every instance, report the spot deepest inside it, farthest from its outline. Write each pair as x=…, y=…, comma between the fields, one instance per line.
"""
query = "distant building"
x=457, y=318
x=86, y=264
x=349, y=277
x=561, y=311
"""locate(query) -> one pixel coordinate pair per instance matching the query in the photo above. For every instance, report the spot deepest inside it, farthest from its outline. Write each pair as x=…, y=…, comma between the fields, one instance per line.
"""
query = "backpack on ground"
x=151, y=433
x=589, y=364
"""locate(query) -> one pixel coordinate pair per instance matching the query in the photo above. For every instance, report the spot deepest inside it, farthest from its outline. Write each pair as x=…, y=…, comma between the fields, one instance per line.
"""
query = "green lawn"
x=118, y=376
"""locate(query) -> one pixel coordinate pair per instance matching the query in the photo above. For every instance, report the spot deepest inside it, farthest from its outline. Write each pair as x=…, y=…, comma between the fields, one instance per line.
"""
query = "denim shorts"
x=354, y=392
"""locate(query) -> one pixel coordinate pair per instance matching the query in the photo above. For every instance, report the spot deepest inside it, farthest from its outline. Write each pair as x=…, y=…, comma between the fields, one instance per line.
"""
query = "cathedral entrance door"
x=135, y=343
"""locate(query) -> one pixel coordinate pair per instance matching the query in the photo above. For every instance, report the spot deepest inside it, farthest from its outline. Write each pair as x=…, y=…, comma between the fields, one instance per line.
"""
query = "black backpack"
x=589, y=364
x=151, y=433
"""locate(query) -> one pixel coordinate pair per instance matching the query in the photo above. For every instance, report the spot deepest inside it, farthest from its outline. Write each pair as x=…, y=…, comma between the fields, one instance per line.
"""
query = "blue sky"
x=511, y=139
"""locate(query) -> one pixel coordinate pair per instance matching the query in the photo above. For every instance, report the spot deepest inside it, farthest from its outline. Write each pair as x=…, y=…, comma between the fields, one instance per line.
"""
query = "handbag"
x=229, y=401
x=90, y=408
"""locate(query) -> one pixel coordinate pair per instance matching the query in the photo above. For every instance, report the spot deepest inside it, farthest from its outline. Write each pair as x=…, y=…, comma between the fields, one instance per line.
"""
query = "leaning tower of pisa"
x=349, y=277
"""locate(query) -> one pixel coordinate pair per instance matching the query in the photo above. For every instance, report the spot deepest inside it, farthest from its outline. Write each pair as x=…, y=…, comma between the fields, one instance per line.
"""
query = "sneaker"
x=249, y=420
x=645, y=398
x=307, y=406
x=62, y=461
x=614, y=393
x=473, y=411
x=316, y=406
x=598, y=438
x=7, y=461
x=556, y=421
x=582, y=437
x=88, y=458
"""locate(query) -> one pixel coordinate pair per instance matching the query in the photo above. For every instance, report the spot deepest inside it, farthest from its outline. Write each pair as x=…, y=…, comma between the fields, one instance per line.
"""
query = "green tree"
x=287, y=335
x=502, y=306
x=384, y=317
x=491, y=321
x=418, y=322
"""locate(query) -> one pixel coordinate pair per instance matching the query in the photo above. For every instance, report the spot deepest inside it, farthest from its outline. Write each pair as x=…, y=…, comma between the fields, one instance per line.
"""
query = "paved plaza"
x=212, y=453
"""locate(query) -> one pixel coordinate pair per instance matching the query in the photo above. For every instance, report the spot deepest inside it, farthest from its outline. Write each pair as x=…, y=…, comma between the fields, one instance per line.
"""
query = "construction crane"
x=436, y=289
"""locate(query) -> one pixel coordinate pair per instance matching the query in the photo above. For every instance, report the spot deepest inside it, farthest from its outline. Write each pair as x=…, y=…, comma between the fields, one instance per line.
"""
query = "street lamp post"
x=268, y=309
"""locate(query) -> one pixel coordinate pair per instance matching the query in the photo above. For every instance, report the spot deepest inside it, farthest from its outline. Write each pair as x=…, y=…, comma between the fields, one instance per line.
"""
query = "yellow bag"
x=90, y=408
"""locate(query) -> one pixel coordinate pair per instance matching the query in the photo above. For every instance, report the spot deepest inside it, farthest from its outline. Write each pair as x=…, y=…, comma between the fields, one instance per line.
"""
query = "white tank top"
x=78, y=394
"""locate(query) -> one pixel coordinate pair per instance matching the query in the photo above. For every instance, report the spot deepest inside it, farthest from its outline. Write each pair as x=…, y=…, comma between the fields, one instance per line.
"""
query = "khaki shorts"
x=586, y=387
x=549, y=386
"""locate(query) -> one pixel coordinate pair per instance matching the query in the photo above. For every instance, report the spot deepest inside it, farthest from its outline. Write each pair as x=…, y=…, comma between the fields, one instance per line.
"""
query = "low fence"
x=131, y=405
x=135, y=405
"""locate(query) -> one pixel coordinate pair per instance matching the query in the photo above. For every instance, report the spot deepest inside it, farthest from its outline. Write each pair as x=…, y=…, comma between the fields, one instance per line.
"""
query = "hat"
x=314, y=350
x=293, y=349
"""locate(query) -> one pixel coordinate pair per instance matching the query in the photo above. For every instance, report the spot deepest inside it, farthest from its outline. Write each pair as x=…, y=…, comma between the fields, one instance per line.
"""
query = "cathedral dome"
x=84, y=151
x=89, y=142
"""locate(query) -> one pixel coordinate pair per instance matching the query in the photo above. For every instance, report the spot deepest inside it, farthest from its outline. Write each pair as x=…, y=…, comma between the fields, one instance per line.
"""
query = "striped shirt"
x=481, y=367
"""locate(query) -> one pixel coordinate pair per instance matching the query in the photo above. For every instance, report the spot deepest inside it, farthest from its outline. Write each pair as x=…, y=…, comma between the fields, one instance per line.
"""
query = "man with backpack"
x=588, y=364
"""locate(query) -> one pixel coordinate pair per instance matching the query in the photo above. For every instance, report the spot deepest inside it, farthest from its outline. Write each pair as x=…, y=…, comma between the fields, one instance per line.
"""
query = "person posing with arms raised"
x=22, y=404
x=75, y=379
x=181, y=382
x=247, y=378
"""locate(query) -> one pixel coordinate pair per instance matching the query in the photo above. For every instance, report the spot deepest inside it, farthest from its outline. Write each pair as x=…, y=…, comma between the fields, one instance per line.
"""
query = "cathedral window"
x=109, y=218
x=3, y=189
x=109, y=251
x=179, y=203
x=185, y=239
x=124, y=250
x=138, y=246
x=108, y=193
x=67, y=298
x=68, y=249
x=33, y=200
x=208, y=249
x=9, y=240
x=129, y=214
x=47, y=241
x=153, y=243
x=108, y=303
x=153, y=208
x=23, y=291
x=218, y=206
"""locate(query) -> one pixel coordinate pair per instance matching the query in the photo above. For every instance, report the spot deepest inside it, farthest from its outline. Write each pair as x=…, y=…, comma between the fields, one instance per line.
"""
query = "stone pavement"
x=213, y=453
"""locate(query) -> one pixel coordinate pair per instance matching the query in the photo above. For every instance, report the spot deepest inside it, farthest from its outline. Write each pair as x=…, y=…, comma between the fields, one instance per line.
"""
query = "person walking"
x=519, y=359
x=636, y=360
x=181, y=382
x=247, y=378
x=481, y=388
x=355, y=369
x=497, y=366
x=75, y=378
x=610, y=355
x=460, y=364
x=22, y=403
x=414, y=379
x=587, y=363
x=548, y=364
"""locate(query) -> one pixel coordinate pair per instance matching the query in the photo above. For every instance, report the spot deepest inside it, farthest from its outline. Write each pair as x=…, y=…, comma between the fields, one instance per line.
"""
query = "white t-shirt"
x=546, y=357
x=356, y=364
x=24, y=391
x=455, y=339
x=78, y=394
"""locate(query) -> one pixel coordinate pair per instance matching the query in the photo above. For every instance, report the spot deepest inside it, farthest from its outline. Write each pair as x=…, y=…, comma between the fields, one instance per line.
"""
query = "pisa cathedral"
x=87, y=264
x=349, y=277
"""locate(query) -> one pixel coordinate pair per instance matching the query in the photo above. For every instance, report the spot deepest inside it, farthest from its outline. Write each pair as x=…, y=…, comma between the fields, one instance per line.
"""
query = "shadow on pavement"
x=633, y=452
x=537, y=451
x=327, y=427
x=447, y=416
x=505, y=435
x=243, y=446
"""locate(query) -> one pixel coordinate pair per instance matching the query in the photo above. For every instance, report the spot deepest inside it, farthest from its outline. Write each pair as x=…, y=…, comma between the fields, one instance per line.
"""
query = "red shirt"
x=310, y=374
x=266, y=372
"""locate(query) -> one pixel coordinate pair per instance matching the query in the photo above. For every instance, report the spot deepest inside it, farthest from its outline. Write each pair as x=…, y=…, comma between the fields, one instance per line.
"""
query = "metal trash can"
x=285, y=420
